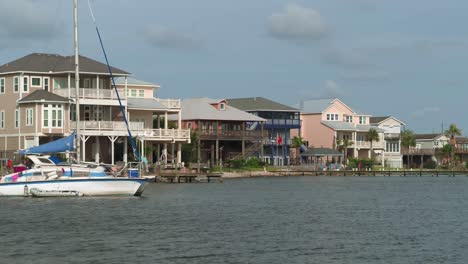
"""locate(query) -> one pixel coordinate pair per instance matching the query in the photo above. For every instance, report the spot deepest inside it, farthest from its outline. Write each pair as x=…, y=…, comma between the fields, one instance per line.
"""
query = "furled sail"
x=60, y=145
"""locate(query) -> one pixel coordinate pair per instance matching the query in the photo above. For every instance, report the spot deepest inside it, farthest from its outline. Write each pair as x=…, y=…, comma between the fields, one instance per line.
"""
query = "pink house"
x=325, y=121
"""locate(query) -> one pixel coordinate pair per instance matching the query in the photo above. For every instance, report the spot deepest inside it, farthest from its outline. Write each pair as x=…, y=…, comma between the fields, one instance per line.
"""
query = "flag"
x=279, y=140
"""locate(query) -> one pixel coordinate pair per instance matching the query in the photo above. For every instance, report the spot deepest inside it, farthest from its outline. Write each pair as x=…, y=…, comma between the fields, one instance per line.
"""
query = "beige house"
x=37, y=105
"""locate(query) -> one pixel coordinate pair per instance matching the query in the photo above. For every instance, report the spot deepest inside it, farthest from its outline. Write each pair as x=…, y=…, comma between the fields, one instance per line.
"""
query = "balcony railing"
x=232, y=134
x=367, y=144
x=282, y=122
x=137, y=128
x=90, y=93
x=169, y=103
x=273, y=142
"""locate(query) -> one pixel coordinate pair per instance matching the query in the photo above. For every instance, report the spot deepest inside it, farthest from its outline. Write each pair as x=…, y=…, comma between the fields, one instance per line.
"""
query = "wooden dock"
x=387, y=173
x=188, y=177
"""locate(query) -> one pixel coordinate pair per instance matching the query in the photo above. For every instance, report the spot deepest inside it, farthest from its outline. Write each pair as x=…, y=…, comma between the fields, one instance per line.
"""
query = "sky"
x=402, y=58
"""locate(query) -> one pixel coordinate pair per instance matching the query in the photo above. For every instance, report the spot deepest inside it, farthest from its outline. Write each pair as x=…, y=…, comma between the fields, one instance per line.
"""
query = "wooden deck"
x=188, y=177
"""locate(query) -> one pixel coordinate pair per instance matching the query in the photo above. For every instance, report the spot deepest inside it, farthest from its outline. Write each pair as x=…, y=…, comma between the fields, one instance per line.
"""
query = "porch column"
x=98, y=150
x=179, y=124
x=179, y=153
x=164, y=154
x=125, y=150
x=112, y=140
x=69, y=85
x=165, y=121
x=84, y=139
x=261, y=141
x=212, y=159
x=125, y=92
x=172, y=153
x=383, y=158
x=355, y=151
x=217, y=152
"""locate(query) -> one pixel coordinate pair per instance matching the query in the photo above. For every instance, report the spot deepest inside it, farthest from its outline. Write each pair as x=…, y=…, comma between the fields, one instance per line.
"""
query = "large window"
x=17, y=118
x=362, y=120
x=2, y=85
x=16, y=84
x=60, y=83
x=392, y=146
x=29, y=117
x=52, y=116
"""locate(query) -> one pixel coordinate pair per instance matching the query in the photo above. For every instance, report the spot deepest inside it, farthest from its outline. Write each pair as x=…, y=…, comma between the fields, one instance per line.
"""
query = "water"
x=263, y=220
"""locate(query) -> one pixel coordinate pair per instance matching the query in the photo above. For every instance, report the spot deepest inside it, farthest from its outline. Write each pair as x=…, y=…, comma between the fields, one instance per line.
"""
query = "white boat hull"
x=86, y=186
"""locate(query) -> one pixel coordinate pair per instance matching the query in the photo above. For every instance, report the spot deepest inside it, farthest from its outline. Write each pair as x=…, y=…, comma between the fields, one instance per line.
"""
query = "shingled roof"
x=53, y=63
x=258, y=104
x=377, y=119
x=43, y=96
x=427, y=136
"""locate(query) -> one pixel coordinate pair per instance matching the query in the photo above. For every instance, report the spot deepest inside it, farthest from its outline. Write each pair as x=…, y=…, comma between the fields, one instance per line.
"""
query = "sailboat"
x=45, y=178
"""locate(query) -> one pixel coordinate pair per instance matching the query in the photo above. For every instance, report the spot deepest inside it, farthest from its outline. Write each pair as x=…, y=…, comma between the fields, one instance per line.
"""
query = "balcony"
x=211, y=134
x=367, y=145
x=91, y=93
x=392, y=136
x=268, y=142
x=169, y=103
x=118, y=128
x=282, y=123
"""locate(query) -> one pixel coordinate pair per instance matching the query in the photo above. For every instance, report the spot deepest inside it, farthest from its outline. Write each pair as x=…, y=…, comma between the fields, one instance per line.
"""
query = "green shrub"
x=430, y=164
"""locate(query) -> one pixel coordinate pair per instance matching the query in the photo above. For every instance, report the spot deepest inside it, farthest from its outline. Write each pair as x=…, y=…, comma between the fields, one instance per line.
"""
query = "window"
x=36, y=81
x=16, y=118
x=392, y=146
x=25, y=84
x=2, y=85
x=348, y=118
x=60, y=83
x=362, y=120
x=189, y=125
x=97, y=113
x=87, y=83
x=2, y=119
x=73, y=113
x=87, y=113
x=133, y=93
x=46, y=83
x=29, y=117
x=52, y=116
x=16, y=84
x=141, y=93
x=332, y=117
x=222, y=106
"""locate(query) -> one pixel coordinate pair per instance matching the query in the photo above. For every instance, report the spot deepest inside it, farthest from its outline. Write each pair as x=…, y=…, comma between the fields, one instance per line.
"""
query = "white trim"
x=35, y=77
x=2, y=85
x=62, y=72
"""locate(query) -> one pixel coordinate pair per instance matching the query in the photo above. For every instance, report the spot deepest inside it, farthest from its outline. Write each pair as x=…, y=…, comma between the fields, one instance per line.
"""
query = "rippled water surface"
x=261, y=220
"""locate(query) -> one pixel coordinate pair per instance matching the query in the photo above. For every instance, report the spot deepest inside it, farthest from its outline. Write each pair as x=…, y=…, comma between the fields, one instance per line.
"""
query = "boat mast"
x=77, y=82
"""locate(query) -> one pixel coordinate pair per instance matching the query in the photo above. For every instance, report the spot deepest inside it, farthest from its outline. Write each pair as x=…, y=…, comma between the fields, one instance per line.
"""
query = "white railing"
x=366, y=144
x=169, y=103
x=90, y=93
x=137, y=129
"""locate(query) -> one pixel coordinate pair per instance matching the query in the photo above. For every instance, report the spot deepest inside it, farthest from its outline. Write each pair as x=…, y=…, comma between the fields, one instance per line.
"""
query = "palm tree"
x=343, y=147
x=408, y=140
x=451, y=133
x=371, y=136
x=296, y=143
x=446, y=151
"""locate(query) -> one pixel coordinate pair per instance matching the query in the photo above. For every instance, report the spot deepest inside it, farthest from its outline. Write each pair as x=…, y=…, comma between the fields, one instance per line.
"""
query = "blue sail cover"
x=60, y=145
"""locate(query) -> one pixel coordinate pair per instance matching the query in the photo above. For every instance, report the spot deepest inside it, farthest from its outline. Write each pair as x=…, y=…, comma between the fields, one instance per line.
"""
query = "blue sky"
x=402, y=58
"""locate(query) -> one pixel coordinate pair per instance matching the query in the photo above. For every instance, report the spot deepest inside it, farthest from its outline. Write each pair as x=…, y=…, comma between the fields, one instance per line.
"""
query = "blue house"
x=280, y=119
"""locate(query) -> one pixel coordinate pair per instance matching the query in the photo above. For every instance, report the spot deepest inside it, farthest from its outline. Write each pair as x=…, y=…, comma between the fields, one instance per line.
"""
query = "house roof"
x=203, y=109
x=54, y=63
x=133, y=81
x=259, y=104
x=321, y=152
x=380, y=119
x=314, y=106
x=43, y=96
x=144, y=104
x=427, y=136
x=345, y=126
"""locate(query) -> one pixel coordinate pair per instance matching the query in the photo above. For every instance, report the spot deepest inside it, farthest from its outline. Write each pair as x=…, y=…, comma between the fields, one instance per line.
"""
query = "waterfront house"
x=392, y=129
x=37, y=98
x=428, y=148
x=223, y=132
x=325, y=122
x=279, y=120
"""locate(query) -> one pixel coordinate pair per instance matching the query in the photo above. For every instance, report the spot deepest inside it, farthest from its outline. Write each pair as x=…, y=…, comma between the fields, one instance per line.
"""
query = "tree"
x=408, y=140
x=451, y=133
x=343, y=147
x=446, y=151
x=296, y=143
x=371, y=136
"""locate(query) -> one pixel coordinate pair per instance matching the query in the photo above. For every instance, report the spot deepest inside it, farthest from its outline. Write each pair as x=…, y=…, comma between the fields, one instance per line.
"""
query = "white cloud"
x=296, y=22
x=162, y=37
x=425, y=111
